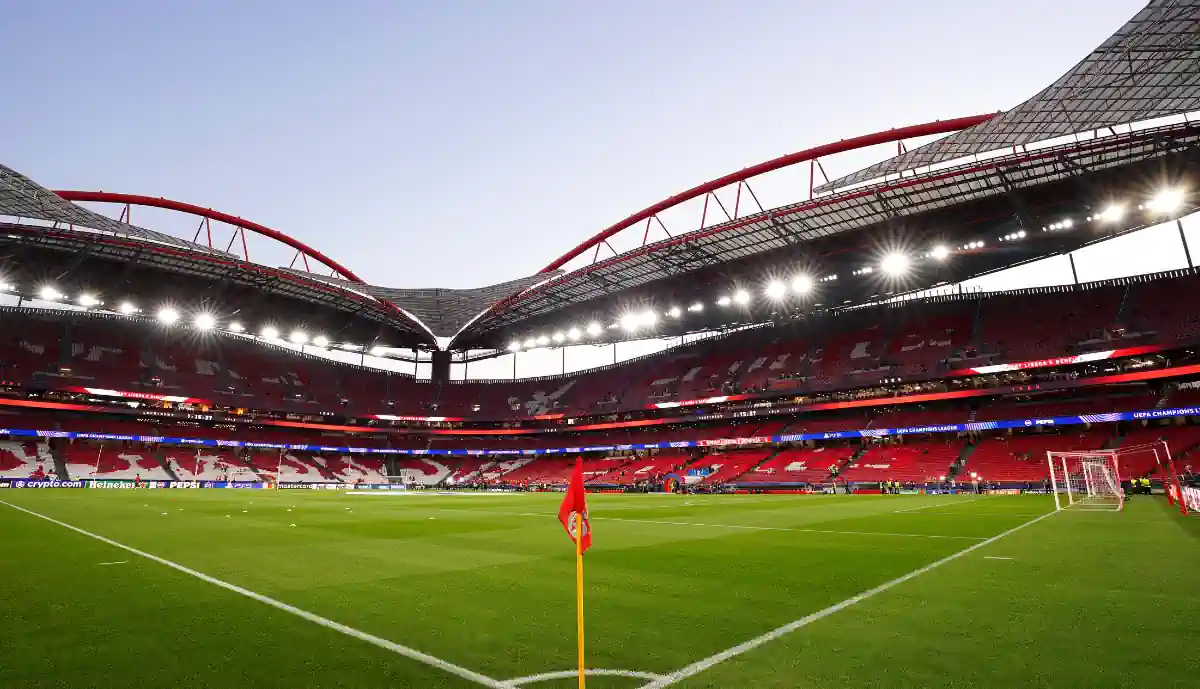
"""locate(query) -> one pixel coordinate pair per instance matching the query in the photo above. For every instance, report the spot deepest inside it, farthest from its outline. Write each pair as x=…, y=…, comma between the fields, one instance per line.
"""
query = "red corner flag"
x=574, y=510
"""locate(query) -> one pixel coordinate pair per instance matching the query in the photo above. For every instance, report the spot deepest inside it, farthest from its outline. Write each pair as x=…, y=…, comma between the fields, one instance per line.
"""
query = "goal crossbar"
x=1091, y=479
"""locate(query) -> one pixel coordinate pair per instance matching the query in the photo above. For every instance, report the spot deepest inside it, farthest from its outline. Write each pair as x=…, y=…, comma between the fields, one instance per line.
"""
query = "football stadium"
x=844, y=464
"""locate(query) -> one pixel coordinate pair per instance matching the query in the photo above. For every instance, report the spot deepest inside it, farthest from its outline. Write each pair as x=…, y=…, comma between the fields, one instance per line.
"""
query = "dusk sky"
x=461, y=143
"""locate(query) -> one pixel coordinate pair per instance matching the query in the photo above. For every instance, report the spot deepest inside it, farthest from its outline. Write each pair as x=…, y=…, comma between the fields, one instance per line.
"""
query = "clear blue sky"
x=457, y=143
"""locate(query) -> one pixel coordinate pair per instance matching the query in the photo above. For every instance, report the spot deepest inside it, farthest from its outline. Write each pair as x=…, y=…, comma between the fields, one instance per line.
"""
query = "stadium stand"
x=25, y=460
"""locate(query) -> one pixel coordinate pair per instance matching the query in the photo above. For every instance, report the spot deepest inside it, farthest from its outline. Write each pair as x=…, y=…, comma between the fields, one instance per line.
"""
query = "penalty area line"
x=747, y=646
x=396, y=648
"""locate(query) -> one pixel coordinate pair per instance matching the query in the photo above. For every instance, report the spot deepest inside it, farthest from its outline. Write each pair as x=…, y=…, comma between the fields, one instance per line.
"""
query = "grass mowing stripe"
x=785, y=528
x=399, y=649
x=706, y=663
x=937, y=504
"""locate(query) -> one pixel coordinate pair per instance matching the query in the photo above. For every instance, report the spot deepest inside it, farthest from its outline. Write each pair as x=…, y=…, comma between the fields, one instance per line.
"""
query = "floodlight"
x=1112, y=213
x=940, y=252
x=594, y=329
x=542, y=340
x=298, y=337
x=205, y=321
x=236, y=327
x=87, y=300
x=270, y=332
x=648, y=318
x=4, y=286
x=1066, y=223
x=320, y=341
x=724, y=301
x=775, y=289
x=630, y=322
x=696, y=308
x=895, y=264
x=558, y=336
x=742, y=297
x=514, y=346
x=675, y=312
x=167, y=315
x=49, y=294
x=378, y=351
x=573, y=334
x=802, y=284
x=1166, y=201
x=530, y=343
x=127, y=308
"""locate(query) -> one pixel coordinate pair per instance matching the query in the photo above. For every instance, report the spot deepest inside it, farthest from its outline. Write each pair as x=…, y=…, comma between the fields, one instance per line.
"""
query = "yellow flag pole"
x=579, y=593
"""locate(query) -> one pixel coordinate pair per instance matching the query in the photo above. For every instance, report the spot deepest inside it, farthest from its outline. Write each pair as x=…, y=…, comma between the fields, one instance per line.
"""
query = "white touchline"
x=568, y=674
x=118, y=562
x=706, y=663
x=995, y=557
x=304, y=614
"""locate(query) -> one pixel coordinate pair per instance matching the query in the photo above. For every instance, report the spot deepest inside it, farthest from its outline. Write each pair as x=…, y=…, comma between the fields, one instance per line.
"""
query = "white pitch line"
x=995, y=557
x=706, y=663
x=118, y=562
x=405, y=651
x=937, y=504
x=785, y=528
x=568, y=674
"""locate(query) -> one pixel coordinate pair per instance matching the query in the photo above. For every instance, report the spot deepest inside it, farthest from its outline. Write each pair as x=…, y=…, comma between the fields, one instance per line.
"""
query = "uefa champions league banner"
x=1053, y=421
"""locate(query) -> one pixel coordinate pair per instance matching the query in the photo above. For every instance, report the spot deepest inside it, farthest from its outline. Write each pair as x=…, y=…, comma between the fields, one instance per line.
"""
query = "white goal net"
x=1086, y=480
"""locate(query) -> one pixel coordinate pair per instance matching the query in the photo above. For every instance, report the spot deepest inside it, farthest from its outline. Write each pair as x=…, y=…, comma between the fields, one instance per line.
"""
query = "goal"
x=1089, y=480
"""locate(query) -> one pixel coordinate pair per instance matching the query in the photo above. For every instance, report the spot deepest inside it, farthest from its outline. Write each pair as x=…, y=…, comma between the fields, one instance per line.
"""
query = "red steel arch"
x=138, y=200
x=843, y=146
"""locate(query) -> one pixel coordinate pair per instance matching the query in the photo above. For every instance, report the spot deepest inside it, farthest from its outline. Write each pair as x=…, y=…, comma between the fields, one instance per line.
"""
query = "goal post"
x=1089, y=480
x=1092, y=479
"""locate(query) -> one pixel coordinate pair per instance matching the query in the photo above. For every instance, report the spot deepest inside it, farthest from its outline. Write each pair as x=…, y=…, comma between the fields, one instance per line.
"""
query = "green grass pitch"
x=486, y=583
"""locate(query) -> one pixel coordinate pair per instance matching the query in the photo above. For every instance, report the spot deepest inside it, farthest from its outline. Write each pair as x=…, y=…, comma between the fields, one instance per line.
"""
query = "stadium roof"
x=1149, y=68
x=21, y=197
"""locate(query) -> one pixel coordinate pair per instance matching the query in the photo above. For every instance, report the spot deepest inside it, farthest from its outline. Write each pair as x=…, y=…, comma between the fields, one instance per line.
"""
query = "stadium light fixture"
x=514, y=346
x=168, y=315
x=48, y=293
x=802, y=284
x=648, y=318
x=741, y=297
x=1165, y=202
x=542, y=340
x=696, y=308
x=1066, y=223
x=236, y=327
x=594, y=329
x=558, y=336
x=573, y=334
x=940, y=252
x=298, y=337
x=530, y=342
x=4, y=286
x=630, y=322
x=724, y=301
x=270, y=332
x=378, y=351
x=1113, y=213
x=87, y=301
x=675, y=312
x=320, y=341
x=205, y=321
x=775, y=290
x=895, y=264
x=127, y=308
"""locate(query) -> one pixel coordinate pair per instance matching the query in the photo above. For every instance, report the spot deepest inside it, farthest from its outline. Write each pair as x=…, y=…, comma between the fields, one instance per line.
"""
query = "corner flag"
x=574, y=510
x=574, y=517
